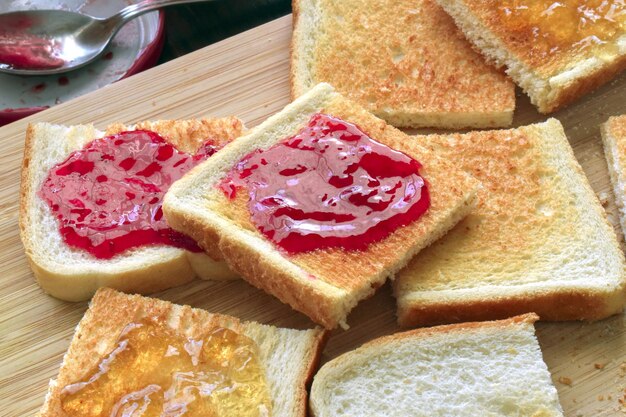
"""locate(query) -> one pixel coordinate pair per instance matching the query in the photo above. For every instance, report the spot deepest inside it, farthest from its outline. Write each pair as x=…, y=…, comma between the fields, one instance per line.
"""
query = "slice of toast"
x=73, y=274
x=324, y=284
x=403, y=60
x=538, y=240
x=555, y=51
x=470, y=369
x=614, y=140
x=288, y=356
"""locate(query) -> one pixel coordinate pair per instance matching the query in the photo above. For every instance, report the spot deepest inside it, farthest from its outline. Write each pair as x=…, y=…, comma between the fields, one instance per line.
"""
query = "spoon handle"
x=130, y=12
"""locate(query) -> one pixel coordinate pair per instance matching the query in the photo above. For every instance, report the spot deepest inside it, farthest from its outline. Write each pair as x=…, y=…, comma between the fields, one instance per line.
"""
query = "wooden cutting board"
x=247, y=75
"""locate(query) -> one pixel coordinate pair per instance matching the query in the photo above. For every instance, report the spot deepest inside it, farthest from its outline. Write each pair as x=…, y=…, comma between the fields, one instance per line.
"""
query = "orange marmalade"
x=154, y=371
x=554, y=27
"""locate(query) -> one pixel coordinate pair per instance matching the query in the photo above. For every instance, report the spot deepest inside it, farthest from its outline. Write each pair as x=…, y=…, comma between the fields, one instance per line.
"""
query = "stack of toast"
x=324, y=202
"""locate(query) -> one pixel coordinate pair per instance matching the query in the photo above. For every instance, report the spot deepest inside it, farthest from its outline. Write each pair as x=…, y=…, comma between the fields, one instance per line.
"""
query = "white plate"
x=135, y=47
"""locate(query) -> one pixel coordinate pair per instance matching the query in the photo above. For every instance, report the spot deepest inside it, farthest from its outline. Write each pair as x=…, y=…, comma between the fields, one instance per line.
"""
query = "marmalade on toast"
x=569, y=26
x=155, y=371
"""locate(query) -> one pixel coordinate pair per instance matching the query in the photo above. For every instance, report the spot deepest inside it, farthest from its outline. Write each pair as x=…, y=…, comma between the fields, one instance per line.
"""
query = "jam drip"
x=330, y=185
x=154, y=371
x=108, y=195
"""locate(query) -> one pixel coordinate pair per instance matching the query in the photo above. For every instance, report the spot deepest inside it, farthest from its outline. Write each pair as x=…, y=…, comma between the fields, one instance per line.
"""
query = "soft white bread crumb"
x=73, y=274
x=466, y=370
x=289, y=356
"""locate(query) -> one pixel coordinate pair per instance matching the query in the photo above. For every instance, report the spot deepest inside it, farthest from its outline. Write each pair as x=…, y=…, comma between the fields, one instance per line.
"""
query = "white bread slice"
x=614, y=140
x=74, y=275
x=538, y=240
x=323, y=284
x=555, y=78
x=464, y=370
x=403, y=60
x=289, y=356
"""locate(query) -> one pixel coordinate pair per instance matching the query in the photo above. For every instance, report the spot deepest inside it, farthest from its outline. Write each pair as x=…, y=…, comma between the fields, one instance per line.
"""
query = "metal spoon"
x=40, y=42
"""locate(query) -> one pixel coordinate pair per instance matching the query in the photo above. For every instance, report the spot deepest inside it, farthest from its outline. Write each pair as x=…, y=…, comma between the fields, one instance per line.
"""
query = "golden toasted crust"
x=189, y=135
x=528, y=318
x=404, y=61
x=580, y=86
x=538, y=239
x=614, y=141
x=561, y=304
x=616, y=126
x=110, y=311
x=324, y=284
x=169, y=271
x=543, y=44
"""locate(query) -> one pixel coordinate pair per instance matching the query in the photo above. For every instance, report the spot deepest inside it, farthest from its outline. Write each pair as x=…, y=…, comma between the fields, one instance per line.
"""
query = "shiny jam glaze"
x=330, y=185
x=553, y=27
x=29, y=52
x=108, y=195
x=154, y=371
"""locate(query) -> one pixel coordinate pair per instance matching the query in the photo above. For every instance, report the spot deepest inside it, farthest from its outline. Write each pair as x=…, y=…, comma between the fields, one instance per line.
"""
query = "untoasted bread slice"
x=538, y=240
x=73, y=274
x=470, y=369
x=288, y=356
x=614, y=140
x=555, y=51
x=324, y=284
x=405, y=61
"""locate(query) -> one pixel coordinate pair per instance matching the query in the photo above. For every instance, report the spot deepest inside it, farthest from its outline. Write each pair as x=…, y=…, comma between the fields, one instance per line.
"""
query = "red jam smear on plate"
x=330, y=185
x=108, y=195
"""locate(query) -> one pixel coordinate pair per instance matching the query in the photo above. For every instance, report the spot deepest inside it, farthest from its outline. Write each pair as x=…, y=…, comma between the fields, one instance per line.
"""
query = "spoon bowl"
x=43, y=42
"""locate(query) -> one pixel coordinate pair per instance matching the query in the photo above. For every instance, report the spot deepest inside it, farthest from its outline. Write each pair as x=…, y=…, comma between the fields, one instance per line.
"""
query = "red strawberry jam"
x=28, y=52
x=108, y=195
x=330, y=185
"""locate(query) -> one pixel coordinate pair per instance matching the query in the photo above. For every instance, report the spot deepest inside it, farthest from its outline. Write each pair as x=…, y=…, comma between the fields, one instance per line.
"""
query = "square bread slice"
x=463, y=370
x=73, y=274
x=614, y=140
x=403, y=60
x=324, y=284
x=555, y=51
x=288, y=356
x=538, y=241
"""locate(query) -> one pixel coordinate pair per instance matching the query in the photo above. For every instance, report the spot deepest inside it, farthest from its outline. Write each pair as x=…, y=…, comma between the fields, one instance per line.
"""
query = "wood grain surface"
x=247, y=76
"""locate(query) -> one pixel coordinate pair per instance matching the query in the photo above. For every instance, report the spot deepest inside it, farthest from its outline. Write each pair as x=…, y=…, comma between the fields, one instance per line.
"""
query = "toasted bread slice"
x=73, y=274
x=324, y=284
x=288, y=356
x=614, y=140
x=470, y=369
x=538, y=240
x=555, y=51
x=403, y=60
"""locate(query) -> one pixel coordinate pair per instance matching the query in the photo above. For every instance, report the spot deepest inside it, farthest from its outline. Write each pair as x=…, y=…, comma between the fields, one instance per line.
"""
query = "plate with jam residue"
x=134, y=48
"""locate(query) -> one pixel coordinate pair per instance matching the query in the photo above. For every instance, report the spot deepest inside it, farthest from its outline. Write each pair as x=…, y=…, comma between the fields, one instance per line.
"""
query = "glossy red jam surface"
x=330, y=185
x=108, y=195
x=29, y=52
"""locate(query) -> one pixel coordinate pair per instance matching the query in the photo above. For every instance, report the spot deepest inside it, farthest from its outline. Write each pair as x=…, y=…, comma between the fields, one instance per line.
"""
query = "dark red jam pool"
x=108, y=195
x=330, y=185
